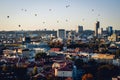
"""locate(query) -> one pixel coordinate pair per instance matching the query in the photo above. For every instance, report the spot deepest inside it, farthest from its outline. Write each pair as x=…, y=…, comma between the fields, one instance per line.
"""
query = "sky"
x=58, y=14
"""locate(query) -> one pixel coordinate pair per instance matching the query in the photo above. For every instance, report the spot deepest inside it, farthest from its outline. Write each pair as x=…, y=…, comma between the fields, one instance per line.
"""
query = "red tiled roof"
x=65, y=69
x=55, y=49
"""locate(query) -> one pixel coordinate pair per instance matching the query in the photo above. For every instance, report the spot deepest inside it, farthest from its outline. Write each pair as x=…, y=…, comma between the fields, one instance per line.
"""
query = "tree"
x=87, y=77
x=35, y=70
x=118, y=53
x=79, y=63
x=69, y=78
x=40, y=55
x=4, y=68
x=104, y=72
x=92, y=62
x=21, y=73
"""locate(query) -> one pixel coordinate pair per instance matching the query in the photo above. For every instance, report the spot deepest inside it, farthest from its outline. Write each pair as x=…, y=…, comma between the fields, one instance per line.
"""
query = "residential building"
x=61, y=33
x=97, y=26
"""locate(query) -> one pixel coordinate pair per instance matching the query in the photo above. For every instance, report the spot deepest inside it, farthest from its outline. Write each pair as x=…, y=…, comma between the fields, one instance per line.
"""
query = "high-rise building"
x=61, y=33
x=97, y=26
x=110, y=30
x=80, y=29
x=26, y=40
x=101, y=30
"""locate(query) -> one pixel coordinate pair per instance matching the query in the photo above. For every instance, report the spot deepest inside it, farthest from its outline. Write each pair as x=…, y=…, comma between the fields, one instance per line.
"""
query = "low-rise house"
x=38, y=50
x=25, y=53
x=65, y=71
x=10, y=53
x=116, y=78
x=59, y=64
x=103, y=56
x=107, y=58
x=51, y=53
x=116, y=62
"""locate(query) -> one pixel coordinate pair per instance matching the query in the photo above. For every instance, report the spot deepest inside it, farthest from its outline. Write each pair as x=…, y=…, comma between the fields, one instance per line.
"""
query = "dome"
x=113, y=45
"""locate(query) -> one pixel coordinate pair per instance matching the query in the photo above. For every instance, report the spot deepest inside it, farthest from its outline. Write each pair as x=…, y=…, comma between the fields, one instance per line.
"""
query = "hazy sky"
x=57, y=14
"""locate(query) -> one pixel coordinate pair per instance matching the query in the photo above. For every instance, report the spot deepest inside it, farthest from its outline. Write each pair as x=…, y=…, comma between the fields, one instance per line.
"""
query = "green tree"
x=79, y=63
x=35, y=70
x=40, y=55
x=87, y=77
x=117, y=53
x=4, y=68
x=104, y=72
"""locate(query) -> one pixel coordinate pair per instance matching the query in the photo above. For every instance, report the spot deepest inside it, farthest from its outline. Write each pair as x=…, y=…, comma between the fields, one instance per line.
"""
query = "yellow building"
x=113, y=37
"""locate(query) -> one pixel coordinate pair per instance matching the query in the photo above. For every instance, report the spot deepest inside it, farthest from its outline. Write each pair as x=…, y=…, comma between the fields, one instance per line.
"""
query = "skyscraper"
x=80, y=29
x=101, y=30
x=97, y=26
x=61, y=33
x=110, y=30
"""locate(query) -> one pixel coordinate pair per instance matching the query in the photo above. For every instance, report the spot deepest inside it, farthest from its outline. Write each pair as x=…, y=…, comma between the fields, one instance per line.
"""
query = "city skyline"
x=58, y=14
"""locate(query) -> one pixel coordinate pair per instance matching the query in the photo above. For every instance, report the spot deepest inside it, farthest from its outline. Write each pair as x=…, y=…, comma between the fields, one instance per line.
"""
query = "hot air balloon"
x=66, y=20
x=50, y=9
x=92, y=9
x=8, y=16
x=22, y=9
x=67, y=6
x=57, y=21
x=35, y=14
x=25, y=10
x=83, y=19
x=43, y=22
x=19, y=25
x=98, y=14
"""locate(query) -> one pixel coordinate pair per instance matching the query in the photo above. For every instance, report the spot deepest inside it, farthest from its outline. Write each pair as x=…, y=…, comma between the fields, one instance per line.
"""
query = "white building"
x=63, y=73
x=38, y=50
